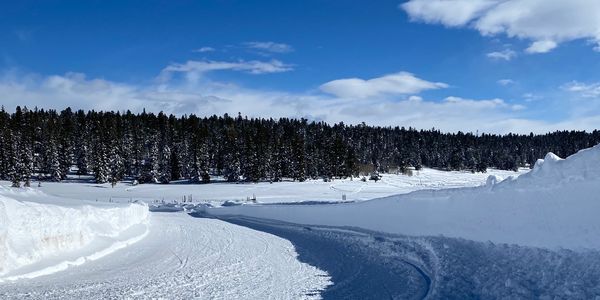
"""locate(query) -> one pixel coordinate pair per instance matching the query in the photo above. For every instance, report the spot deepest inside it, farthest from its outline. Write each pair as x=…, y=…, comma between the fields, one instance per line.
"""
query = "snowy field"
x=280, y=192
x=435, y=234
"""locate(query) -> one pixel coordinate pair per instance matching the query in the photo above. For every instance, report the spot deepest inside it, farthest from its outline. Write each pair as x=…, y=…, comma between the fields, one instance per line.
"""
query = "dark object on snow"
x=375, y=176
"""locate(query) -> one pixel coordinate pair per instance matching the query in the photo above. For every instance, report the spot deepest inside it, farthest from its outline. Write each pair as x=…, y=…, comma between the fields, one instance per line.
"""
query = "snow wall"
x=31, y=232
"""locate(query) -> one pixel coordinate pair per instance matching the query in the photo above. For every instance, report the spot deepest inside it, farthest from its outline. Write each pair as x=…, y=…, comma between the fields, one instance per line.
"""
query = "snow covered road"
x=183, y=258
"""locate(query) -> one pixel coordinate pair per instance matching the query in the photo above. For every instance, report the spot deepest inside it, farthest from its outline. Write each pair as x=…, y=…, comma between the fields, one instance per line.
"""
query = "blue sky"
x=470, y=65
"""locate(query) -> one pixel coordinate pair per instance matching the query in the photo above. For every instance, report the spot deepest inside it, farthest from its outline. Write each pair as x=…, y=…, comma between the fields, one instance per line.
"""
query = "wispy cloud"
x=586, y=90
x=505, y=82
x=197, y=68
x=269, y=47
x=531, y=97
x=506, y=55
x=204, y=50
x=482, y=104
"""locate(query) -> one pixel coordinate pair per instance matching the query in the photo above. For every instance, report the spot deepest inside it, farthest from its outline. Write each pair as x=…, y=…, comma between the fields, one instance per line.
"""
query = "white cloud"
x=503, y=55
x=401, y=83
x=204, y=50
x=253, y=67
x=545, y=23
x=505, y=82
x=482, y=104
x=437, y=11
x=270, y=47
x=544, y=46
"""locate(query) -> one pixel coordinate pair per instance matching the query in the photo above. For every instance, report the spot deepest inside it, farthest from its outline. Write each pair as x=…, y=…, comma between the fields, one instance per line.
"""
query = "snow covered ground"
x=103, y=243
x=184, y=258
x=440, y=234
x=281, y=192
x=556, y=205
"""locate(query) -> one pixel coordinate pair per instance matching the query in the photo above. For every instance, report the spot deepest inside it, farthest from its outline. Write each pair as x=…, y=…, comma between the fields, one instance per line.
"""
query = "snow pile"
x=555, y=171
x=555, y=205
x=33, y=232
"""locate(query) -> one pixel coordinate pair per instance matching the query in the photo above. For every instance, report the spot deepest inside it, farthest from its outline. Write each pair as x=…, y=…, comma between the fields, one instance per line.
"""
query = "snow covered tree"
x=164, y=164
x=101, y=168
x=150, y=165
x=65, y=144
x=232, y=156
x=115, y=165
x=14, y=164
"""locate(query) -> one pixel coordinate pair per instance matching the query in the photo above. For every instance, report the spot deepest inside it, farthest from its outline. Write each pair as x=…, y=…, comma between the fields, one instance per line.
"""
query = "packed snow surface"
x=185, y=258
x=556, y=205
x=38, y=238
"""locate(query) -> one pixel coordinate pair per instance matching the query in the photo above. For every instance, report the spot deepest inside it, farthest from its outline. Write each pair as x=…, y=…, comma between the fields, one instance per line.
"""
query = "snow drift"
x=555, y=205
x=555, y=171
x=33, y=232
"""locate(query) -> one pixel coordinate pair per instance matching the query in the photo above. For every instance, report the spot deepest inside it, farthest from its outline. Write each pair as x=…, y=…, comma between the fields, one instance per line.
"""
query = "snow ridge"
x=553, y=171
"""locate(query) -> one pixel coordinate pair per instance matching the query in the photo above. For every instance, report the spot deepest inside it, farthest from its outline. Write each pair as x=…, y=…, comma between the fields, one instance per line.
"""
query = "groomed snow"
x=554, y=206
x=185, y=258
x=38, y=238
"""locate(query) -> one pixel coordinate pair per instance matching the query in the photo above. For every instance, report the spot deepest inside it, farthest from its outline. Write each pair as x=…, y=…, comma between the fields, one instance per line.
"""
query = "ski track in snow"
x=182, y=258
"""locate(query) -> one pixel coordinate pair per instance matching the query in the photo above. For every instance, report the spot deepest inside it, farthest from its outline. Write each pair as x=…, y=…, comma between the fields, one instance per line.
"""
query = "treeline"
x=47, y=145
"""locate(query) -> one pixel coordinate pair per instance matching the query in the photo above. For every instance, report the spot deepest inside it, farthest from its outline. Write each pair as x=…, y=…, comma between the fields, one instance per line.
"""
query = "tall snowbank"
x=553, y=171
x=556, y=205
x=31, y=232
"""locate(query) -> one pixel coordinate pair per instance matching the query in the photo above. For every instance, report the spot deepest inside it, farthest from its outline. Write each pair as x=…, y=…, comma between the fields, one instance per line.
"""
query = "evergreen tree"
x=116, y=166
x=101, y=168
x=150, y=164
